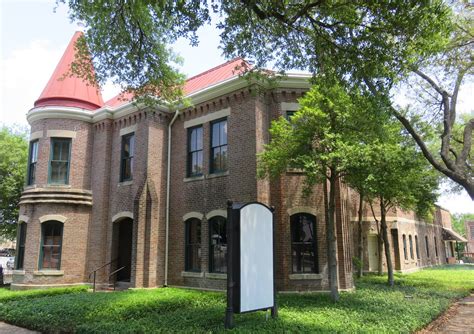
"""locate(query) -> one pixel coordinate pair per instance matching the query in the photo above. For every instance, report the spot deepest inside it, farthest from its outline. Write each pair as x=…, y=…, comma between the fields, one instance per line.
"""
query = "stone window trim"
x=215, y=213
x=193, y=274
x=305, y=276
x=48, y=272
x=193, y=214
x=128, y=129
x=289, y=106
x=23, y=219
x=61, y=134
x=121, y=215
x=46, y=218
x=221, y=276
x=207, y=118
x=36, y=135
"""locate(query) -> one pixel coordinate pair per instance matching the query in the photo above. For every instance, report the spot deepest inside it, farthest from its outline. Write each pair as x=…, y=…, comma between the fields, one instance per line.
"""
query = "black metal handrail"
x=114, y=272
x=95, y=272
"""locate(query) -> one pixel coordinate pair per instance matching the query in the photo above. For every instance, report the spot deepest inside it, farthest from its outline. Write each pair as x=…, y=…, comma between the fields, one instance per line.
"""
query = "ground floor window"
x=217, y=245
x=436, y=246
x=303, y=243
x=417, y=248
x=410, y=240
x=51, y=244
x=427, y=246
x=20, y=255
x=405, y=255
x=192, y=259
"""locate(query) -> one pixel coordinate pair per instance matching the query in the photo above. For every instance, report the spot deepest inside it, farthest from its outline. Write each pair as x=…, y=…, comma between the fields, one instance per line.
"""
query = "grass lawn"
x=416, y=299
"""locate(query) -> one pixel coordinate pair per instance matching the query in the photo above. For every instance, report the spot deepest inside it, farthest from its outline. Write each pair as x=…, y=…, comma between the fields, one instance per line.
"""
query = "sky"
x=34, y=35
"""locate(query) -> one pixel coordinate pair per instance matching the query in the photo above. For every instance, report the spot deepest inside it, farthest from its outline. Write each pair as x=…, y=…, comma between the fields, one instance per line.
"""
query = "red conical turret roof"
x=69, y=91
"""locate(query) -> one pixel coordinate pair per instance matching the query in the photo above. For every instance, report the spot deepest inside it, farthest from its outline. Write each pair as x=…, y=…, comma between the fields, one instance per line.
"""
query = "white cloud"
x=25, y=72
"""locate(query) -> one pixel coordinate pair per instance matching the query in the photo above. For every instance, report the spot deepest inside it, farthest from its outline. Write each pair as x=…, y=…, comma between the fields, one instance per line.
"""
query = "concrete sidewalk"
x=459, y=318
x=9, y=329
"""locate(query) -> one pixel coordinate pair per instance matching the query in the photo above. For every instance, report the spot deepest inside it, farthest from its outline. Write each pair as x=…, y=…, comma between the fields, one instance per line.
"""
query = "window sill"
x=219, y=174
x=18, y=272
x=216, y=276
x=192, y=274
x=305, y=276
x=31, y=186
x=125, y=183
x=48, y=272
x=294, y=170
x=193, y=178
x=53, y=185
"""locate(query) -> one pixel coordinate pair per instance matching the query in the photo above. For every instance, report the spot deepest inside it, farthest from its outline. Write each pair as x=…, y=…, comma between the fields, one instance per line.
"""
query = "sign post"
x=250, y=259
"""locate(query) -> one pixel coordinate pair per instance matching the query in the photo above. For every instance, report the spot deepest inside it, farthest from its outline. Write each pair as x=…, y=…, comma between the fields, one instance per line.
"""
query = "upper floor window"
x=192, y=258
x=126, y=160
x=219, y=146
x=20, y=255
x=412, y=255
x=51, y=244
x=195, y=151
x=59, y=160
x=289, y=114
x=303, y=243
x=217, y=245
x=405, y=255
x=32, y=159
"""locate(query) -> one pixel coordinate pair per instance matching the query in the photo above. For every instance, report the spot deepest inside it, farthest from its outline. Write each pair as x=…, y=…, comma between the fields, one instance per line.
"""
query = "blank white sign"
x=256, y=258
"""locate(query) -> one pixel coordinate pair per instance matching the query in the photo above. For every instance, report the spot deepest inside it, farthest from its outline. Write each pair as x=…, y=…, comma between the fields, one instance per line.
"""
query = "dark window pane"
x=193, y=245
x=215, y=135
x=126, y=163
x=51, y=245
x=195, y=161
x=218, y=245
x=303, y=243
x=219, y=146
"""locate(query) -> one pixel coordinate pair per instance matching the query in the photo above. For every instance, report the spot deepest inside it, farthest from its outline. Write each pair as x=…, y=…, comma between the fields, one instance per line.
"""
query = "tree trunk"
x=388, y=256
x=331, y=238
x=360, y=271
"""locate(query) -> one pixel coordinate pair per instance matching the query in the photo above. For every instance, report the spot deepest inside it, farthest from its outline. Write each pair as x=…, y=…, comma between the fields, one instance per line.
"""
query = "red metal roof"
x=69, y=91
x=203, y=80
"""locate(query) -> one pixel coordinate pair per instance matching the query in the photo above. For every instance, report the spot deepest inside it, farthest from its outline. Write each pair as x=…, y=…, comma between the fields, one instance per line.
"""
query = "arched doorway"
x=123, y=248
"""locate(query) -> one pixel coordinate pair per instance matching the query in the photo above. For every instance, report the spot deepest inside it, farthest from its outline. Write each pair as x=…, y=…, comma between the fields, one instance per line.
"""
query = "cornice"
x=291, y=80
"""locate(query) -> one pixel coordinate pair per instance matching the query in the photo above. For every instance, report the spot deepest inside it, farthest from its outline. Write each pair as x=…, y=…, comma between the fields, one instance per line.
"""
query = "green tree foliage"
x=319, y=139
x=397, y=175
x=13, y=160
x=458, y=221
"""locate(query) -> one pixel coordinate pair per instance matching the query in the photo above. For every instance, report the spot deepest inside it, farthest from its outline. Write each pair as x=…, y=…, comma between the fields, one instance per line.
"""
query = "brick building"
x=118, y=186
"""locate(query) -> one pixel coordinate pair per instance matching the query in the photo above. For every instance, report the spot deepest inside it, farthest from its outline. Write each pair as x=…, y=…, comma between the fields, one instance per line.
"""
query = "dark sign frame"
x=234, y=265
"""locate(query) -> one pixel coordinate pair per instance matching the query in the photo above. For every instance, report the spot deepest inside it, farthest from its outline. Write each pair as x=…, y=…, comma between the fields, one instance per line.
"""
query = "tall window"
x=195, y=151
x=303, y=243
x=20, y=255
x=412, y=255
x=427, y=246
x=126, y=163
x=192, y=258
x=219, y=146
x=472, y=231
x=51, y=243
x=217, y=245
x=417, y=248
x=32, y=159
x=436, y=247
x=59, y=160
x=405, y=254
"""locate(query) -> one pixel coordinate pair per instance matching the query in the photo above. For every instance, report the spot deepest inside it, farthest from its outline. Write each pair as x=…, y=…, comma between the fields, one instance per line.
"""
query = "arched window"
x=427, y=247
x=192, y=257
x=417, y=247
x=20, y=254
x=304, y=252
x=412, y=256
x=217, y=245
x=405, y=254
x=51, y=244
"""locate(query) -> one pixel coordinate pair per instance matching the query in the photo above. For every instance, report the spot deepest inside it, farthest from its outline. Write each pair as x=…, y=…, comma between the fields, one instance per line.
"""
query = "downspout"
x=168, y=181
